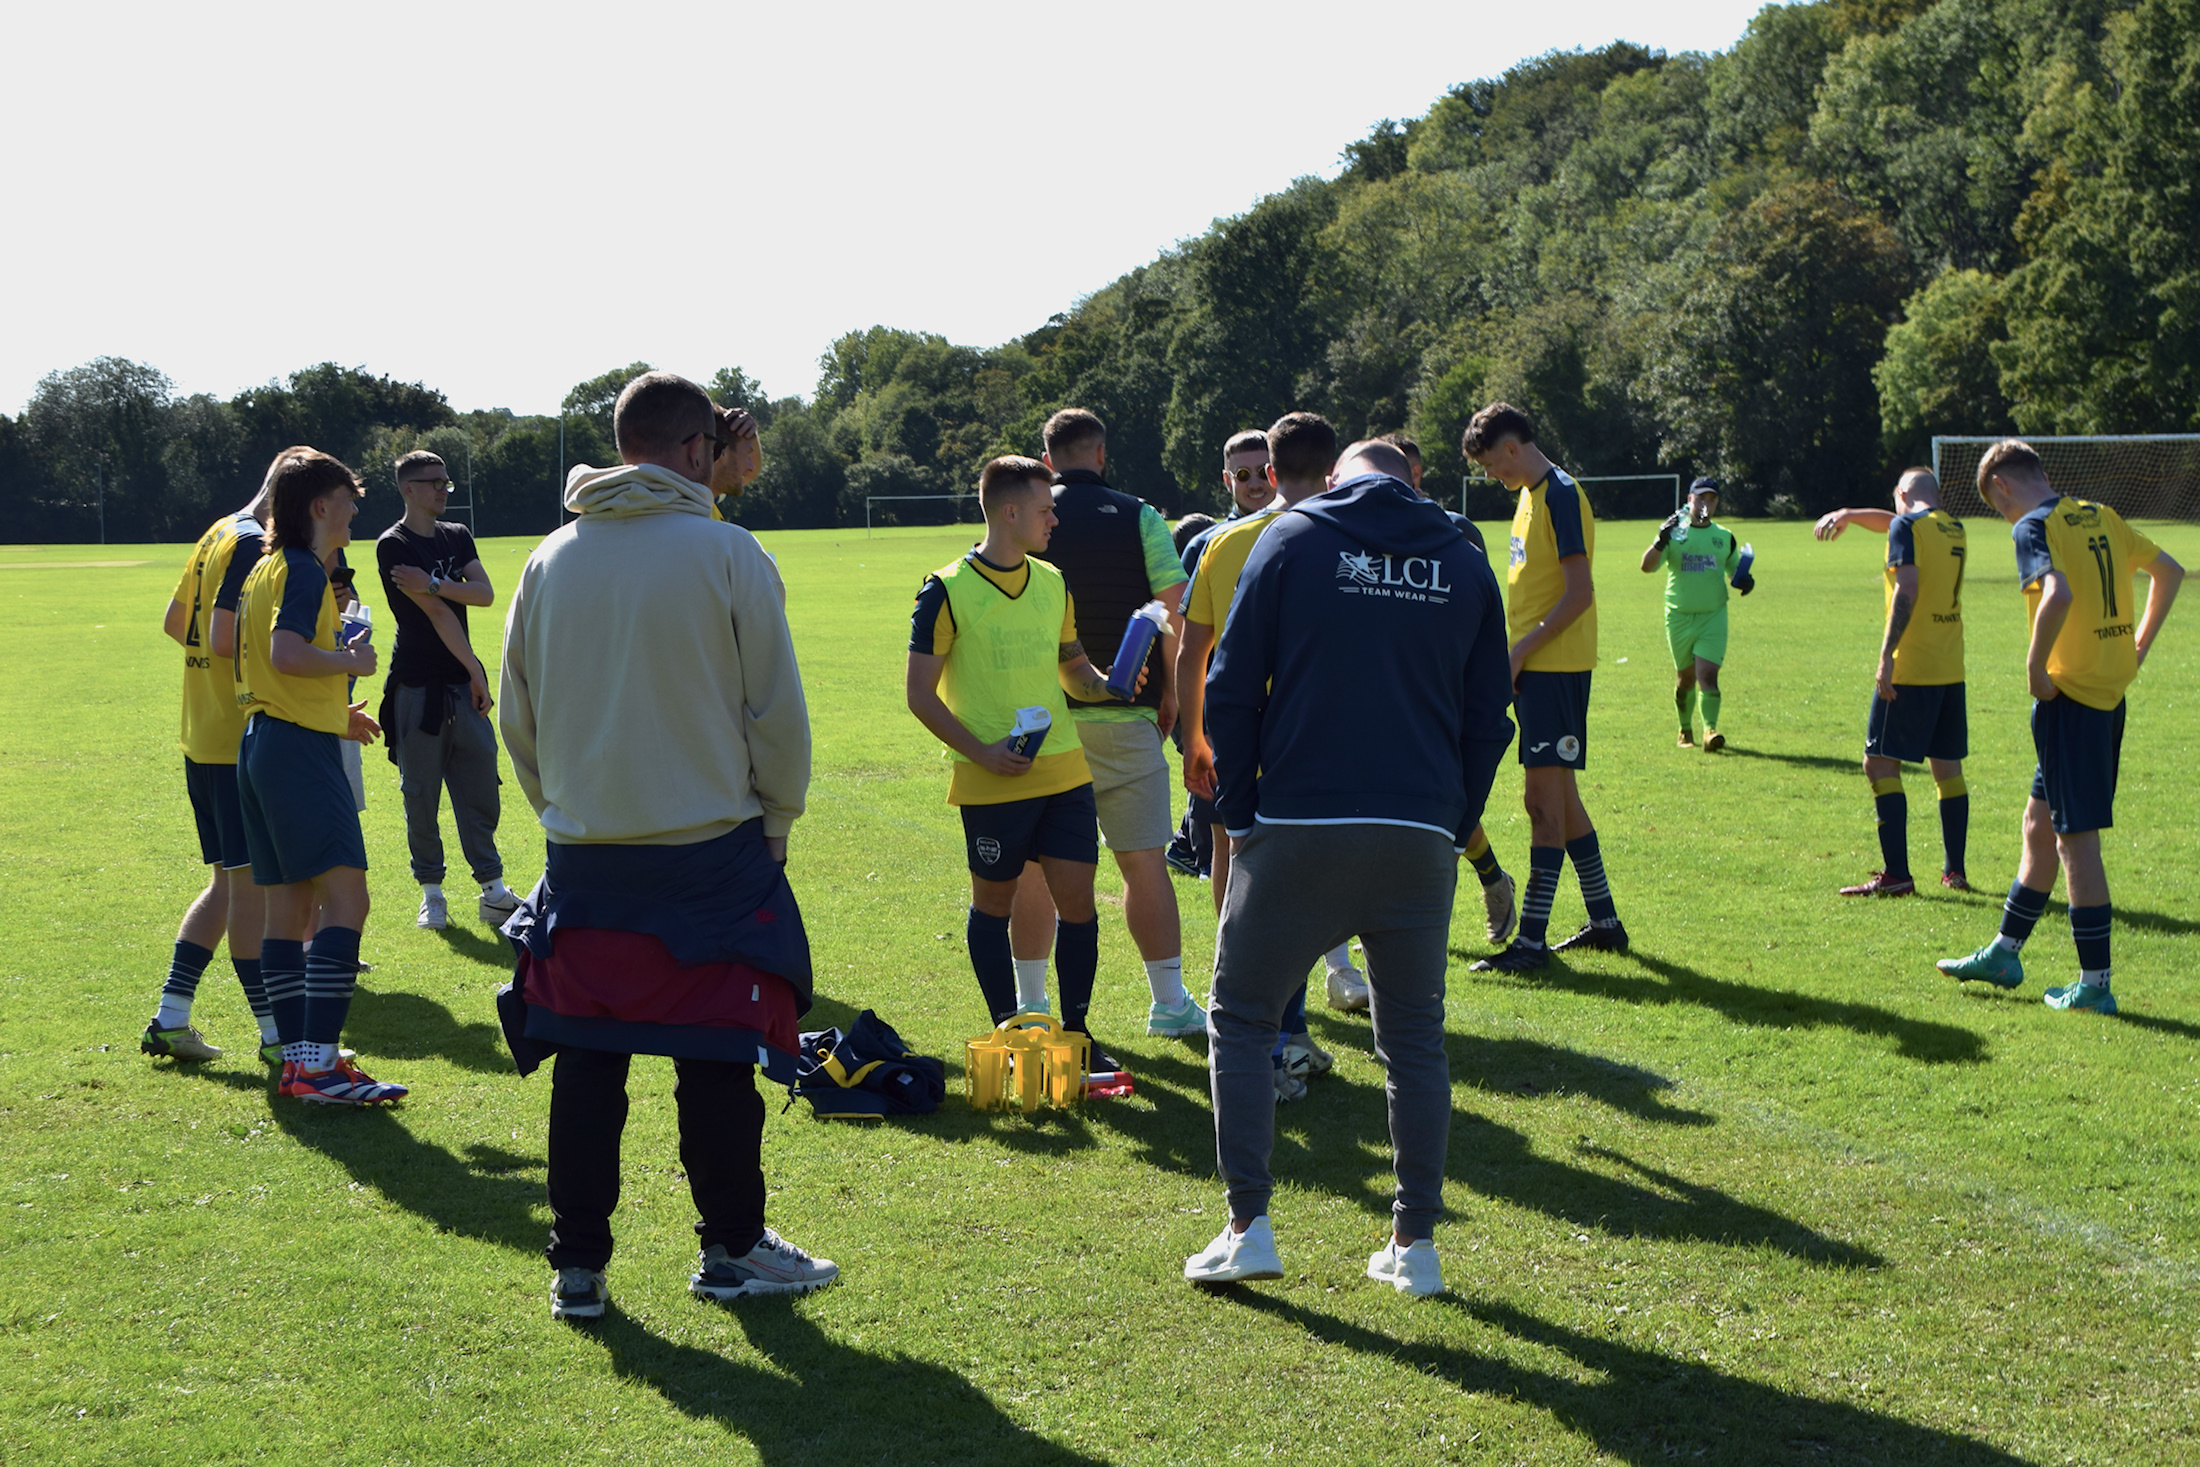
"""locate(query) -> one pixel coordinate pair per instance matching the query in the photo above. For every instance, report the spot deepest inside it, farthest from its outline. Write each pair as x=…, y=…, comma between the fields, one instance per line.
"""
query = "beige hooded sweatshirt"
x=649, y=693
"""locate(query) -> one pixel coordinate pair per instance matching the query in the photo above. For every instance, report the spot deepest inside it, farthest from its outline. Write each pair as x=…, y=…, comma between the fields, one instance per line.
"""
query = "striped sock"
x=1544, y=865
x=993, y=961
x=1955, y=821
x=255, y=995
x=1893, y=809
x=332, y=970
x=1596, y=892
x=2020, y=914
x=1076, y=965
x=283, y=980
x=2089, y=930
x=184, y=968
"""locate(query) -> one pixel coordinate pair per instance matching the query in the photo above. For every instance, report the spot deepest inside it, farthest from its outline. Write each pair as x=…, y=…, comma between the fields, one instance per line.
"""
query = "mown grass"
x=1765, y=1189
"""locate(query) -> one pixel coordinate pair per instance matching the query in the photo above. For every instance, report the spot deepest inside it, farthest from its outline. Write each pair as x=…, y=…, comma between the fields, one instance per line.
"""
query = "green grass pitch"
x=1767, y=1189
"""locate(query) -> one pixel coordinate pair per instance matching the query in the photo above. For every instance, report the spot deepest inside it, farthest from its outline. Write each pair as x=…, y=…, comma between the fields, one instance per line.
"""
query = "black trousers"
x=721, y=1148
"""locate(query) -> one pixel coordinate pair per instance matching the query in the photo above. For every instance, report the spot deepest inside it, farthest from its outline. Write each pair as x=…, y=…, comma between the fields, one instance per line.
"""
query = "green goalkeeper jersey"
x=1698, y=561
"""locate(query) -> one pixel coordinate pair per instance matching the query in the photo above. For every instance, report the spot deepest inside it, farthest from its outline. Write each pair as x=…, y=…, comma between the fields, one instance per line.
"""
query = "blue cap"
x=1711, y=484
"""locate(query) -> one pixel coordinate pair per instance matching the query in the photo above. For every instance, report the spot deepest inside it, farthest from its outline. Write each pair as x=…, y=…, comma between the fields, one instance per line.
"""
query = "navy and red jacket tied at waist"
x=694, y=951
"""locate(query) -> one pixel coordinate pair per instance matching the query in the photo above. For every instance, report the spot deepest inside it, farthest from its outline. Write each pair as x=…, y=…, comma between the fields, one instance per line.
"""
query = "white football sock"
x=431, y=889
x=1165, y=976
x=1339, y=958
x=2092, y=977
x=2014, y=944
x=176, y=1014
x=1031, y=983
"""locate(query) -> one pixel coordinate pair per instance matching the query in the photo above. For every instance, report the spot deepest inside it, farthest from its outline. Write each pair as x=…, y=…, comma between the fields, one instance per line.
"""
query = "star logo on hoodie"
x=1360, y=568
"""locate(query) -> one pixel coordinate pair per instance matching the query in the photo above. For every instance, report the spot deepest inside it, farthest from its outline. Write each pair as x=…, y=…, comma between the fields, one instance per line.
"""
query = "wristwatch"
x=435, y=585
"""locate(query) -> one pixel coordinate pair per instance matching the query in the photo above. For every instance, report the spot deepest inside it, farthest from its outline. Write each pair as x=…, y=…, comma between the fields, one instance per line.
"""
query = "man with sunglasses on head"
x=435, y=701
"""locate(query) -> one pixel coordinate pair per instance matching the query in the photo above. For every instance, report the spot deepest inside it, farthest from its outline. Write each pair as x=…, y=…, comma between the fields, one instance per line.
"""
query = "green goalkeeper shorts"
x=1696, y=634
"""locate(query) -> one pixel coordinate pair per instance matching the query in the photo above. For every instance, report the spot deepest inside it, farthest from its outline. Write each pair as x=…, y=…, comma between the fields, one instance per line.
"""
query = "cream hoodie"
x=649, y=693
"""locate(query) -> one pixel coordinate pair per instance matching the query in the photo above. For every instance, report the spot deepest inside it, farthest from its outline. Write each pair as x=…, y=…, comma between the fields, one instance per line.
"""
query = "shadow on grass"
x=823, y=1401
x=405, y=1026
x=1851, y=764
x=489, y=1193
x=482, y=947
x=2156, y=922
x=1641, y=1406
x=2160, y=1025
x=1777, y=1008
x=1524, y=1067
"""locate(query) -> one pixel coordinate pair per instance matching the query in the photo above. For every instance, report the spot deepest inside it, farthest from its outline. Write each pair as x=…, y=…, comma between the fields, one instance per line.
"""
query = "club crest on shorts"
x=1569, y=748
x=988, y=849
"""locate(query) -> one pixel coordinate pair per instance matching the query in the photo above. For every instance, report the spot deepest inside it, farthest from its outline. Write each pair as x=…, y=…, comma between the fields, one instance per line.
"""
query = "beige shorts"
x=1130, y=783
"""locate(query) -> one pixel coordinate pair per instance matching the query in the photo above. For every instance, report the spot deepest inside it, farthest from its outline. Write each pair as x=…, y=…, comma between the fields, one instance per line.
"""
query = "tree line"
x=1788, y=264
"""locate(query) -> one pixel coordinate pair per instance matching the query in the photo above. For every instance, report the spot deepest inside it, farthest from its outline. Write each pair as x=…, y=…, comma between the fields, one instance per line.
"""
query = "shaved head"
x=1919, y=487
x=1373, y=456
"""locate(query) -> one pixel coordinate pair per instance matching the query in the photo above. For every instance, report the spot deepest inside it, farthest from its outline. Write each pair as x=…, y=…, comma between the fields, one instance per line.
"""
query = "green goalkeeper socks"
x=1685, y=700
x=1711, y=703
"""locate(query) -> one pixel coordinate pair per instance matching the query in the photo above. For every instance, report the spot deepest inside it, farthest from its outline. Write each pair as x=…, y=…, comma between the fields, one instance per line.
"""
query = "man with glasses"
x=435, y=702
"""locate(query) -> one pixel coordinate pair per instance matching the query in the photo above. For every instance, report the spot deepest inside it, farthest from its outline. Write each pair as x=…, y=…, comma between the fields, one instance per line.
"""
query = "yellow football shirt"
x=213, y=580
x=932, y=632
x=1221, y=565
x=289, y=592
x=1553, y=521
x=2093, y=659
x=1931, y=649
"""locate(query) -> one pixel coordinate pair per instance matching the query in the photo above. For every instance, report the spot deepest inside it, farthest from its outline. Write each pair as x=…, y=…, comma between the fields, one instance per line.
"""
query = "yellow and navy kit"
x=1931, y=649
x=2094, y=658
x=289, y=592
x=1552, y=523
x=1002, y=632
x=1222, y=564
x=213, y=580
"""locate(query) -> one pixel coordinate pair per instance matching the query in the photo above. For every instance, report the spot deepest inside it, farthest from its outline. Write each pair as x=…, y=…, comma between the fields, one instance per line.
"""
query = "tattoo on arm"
x=1069, y=651
x=1898, y=619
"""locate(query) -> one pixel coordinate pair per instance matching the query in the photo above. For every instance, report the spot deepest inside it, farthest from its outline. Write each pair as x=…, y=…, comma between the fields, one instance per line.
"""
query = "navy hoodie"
x=1362, y=676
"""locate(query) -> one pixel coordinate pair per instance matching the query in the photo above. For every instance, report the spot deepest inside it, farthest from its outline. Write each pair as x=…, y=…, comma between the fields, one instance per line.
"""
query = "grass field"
x=1766, y=1189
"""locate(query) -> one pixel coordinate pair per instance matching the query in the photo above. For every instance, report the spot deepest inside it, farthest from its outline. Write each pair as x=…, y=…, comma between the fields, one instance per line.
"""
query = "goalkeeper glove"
x=1745, y=583
x=1665, y=531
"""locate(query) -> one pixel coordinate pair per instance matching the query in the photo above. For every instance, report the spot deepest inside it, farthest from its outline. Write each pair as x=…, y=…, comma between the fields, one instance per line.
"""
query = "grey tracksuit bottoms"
x=463, y=754
x=1296, y=891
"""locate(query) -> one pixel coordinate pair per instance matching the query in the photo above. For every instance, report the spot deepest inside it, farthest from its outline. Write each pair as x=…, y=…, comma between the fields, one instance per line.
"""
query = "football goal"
x=2139, y=475
x=886, y=517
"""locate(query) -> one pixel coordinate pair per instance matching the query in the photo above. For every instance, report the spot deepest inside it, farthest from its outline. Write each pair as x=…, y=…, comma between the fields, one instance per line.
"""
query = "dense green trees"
x=1789, y=263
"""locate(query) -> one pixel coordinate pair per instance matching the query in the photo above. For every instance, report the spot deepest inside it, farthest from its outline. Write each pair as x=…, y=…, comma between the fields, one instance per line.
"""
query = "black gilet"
x=1097, y=549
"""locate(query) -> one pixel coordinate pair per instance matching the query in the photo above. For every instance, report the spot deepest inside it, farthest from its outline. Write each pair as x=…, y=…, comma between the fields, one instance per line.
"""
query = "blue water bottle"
x=1146, y=623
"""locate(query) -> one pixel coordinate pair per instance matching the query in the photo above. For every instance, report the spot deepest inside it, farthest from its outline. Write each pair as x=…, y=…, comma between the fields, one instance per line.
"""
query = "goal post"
x=2139, y=475
x=1623, y=496
x=873, y=499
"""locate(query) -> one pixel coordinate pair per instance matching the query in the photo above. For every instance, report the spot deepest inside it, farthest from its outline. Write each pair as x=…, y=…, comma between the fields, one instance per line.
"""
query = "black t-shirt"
x=420, y=659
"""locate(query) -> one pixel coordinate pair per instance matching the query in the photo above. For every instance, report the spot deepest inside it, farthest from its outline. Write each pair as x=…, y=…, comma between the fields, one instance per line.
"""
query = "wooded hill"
x=1787, y=264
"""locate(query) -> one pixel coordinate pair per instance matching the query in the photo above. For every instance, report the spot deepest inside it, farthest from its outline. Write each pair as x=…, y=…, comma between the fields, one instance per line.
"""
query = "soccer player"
x=1699, y=558
x=300, y=823
x=654, y=713
x=1115, y=556
x=435, y=702
x=1302, y=449
x=1500, y=912
x=1917, y=711
x=2075, y=559
x=1348, y=818
x=993, y=633
x=1551, y=615
x=202, y=619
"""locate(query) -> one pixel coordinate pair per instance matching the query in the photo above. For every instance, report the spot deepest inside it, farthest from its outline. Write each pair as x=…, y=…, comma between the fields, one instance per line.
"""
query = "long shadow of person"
x=1529, y=1068
x=405, y=1026
x=823, y=1401
x=491, y=948
x=1847, y=765
x=490, y=1194
x=1641, y=1406
x=1776, y=1008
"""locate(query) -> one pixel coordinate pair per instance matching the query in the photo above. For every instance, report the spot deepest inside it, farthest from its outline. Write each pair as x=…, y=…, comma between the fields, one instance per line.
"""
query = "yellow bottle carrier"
x=1027, y=1060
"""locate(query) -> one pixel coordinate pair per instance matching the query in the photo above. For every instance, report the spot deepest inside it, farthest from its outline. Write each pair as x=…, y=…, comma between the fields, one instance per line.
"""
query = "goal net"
x=2140, y=476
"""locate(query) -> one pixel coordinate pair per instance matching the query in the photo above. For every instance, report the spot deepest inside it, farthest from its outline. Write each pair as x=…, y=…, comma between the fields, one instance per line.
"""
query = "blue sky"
x=502, y=200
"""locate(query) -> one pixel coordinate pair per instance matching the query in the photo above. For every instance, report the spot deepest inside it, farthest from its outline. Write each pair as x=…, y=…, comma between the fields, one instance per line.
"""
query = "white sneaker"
x=1289, y=1086
x=498, y=907
x=1234, y=1257
x=1347, y=990
x=1306, y=1059
x=1410, y=1270
x=773, y=1266
x=1499, y=908
x=434, y=914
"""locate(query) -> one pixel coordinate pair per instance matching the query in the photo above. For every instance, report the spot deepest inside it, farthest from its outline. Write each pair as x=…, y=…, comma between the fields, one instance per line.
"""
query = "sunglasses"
x=718, y=445
x=441, y=486
x=1243, y=475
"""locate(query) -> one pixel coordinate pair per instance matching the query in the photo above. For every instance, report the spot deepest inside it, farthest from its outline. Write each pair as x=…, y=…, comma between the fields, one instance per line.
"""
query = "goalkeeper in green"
x=1700, y=559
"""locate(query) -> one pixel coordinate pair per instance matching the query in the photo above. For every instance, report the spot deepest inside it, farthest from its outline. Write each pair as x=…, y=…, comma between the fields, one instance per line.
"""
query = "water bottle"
x=1146, y=623
x=1029, y=731
x=357, y=621
x=1741, y=569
